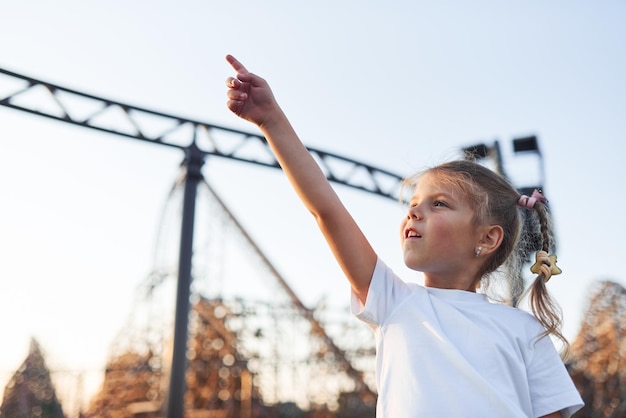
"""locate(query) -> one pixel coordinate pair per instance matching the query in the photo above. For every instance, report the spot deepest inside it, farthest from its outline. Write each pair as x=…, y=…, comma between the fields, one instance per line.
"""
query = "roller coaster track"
x=134, y=122
x=198, y=140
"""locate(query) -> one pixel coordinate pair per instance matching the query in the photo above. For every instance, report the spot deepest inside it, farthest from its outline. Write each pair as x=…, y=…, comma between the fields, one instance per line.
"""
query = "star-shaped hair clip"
x=546, y=265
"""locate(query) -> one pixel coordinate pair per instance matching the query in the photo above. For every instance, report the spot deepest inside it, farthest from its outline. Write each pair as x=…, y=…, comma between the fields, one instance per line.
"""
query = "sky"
x=401, y=85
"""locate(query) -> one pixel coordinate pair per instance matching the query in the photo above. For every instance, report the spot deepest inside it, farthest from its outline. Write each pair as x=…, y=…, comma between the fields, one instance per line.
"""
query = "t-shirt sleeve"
x=551, y=386
x=386, y=291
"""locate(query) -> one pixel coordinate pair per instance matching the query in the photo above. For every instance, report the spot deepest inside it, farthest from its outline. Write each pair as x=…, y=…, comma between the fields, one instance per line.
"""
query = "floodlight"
x=476, y=152
x=526, y=144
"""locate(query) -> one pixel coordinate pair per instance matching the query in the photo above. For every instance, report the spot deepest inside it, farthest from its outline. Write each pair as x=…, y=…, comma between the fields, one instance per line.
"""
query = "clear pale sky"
x=398, y=84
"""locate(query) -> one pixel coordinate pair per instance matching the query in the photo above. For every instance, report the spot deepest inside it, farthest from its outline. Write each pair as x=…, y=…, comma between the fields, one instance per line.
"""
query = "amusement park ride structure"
x=198, y=140
x=596, y=364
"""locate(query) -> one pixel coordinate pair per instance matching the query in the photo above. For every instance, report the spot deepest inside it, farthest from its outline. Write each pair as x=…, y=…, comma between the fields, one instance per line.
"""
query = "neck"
x=468, y=283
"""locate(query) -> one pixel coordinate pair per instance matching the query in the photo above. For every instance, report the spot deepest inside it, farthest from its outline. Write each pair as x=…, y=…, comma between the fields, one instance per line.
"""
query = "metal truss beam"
x=198, y=140
x=63, y=104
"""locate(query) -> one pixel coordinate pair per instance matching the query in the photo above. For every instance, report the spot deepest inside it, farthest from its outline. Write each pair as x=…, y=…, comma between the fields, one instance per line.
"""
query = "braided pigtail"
x=542, y=305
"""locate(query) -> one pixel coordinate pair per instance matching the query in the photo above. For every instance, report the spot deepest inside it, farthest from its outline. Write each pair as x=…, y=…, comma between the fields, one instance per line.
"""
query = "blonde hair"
x=495, y=201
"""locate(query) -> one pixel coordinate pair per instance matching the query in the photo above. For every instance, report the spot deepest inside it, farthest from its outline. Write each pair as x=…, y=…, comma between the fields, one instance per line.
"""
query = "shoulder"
x=387, y=291
x=518, y=326
x=513, y=315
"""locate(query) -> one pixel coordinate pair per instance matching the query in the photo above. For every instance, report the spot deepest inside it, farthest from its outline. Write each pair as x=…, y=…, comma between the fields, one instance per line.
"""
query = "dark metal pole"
x=194, y=159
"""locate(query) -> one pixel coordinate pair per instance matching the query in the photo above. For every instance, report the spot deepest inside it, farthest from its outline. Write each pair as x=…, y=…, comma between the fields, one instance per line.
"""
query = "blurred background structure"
x=598, y=354
x=225, y=382
x=405, y=84
x=241, y=354
x=249, y=356
x=31, y=392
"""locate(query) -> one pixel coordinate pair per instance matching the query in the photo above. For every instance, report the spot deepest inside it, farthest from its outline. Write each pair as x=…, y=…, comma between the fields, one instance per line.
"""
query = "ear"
x=491, y=238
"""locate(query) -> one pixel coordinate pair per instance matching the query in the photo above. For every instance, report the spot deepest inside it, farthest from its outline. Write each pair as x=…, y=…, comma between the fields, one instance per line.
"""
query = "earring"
x=478, y=251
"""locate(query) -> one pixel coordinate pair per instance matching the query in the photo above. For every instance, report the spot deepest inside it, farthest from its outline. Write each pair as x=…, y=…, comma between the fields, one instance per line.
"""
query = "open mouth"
x=410, y=233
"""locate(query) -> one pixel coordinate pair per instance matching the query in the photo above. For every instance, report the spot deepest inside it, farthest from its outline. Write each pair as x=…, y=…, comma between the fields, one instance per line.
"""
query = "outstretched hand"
x=249, y=96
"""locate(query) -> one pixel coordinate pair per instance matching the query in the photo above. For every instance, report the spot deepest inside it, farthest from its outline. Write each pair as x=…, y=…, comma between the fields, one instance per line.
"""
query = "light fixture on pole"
x=530, y=145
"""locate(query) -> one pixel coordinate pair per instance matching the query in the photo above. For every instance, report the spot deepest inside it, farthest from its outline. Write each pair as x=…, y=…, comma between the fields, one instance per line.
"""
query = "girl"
x=443, y=350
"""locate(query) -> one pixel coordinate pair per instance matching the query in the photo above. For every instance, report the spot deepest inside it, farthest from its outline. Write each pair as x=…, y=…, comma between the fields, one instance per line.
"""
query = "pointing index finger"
x=237, y=66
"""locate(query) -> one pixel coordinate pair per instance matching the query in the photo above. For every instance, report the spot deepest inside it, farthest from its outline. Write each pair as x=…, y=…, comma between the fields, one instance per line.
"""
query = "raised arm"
x=250, y=98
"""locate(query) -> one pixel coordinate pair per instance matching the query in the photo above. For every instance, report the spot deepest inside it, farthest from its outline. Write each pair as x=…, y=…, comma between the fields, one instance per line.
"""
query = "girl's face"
x=438, y=236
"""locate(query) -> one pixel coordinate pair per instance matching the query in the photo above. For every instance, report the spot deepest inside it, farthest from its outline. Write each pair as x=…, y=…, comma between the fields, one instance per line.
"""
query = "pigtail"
x=542, y=305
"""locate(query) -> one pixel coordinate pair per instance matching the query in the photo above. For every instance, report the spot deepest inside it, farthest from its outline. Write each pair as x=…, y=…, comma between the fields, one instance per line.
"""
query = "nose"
x=413, y=213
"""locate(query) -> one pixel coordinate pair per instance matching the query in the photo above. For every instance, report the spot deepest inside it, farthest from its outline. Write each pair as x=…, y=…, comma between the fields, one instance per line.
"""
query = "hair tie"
x=529, y=201
x=546, y=265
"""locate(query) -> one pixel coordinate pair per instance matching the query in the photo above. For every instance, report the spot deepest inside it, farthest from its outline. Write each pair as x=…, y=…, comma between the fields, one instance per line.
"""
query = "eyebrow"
x=437, y=195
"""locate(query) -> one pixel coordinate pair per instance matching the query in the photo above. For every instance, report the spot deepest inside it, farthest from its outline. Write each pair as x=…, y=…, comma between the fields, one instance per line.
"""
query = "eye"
x=440, y=203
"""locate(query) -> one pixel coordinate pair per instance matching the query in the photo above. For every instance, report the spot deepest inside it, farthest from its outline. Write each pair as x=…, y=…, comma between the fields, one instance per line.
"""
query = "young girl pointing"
x=442, y=350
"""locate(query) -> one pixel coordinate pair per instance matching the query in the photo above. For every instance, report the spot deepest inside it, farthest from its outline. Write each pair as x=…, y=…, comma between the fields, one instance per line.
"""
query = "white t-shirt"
x=452, y=353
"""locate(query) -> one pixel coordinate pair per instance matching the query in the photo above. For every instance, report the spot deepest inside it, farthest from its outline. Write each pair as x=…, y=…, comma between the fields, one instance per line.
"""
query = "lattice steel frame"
x=184, y=133
x=198, y=140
